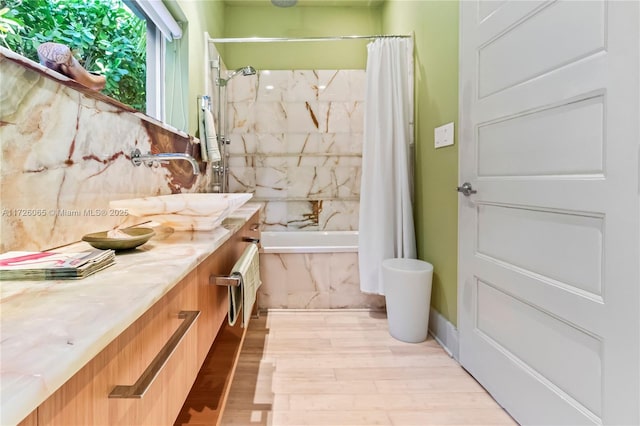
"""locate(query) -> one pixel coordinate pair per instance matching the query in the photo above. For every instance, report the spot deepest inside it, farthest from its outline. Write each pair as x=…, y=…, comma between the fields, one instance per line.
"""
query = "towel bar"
x=228, y=281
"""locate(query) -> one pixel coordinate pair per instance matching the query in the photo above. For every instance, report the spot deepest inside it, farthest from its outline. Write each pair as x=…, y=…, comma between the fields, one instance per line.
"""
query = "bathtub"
x=309, y=242
x=312, y=270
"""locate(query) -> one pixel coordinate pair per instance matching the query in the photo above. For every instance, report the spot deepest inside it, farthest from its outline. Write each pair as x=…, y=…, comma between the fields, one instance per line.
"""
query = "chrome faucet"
x=150, y=159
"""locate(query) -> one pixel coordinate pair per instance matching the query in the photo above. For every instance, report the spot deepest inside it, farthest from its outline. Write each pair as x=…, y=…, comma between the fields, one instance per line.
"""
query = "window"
x=121, y=39
x=161, y=27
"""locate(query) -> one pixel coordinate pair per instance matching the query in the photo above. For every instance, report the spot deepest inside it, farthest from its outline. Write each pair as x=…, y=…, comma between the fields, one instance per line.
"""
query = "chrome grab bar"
x=140, y=387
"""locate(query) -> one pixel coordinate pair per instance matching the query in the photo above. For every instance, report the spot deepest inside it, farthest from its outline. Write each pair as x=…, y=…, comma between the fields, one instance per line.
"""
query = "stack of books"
x=50, y=265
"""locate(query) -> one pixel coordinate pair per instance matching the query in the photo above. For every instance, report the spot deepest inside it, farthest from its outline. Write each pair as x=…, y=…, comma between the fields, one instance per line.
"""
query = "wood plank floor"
x=343, y=368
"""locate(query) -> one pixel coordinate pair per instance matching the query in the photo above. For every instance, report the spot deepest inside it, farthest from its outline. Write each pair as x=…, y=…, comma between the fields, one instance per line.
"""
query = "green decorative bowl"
x=137, y=237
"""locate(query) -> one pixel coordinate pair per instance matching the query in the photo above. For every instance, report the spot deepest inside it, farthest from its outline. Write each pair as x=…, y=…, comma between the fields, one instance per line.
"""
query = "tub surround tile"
x=323, y=182
x=302, y=85
x=277, y=216
x=343, y=271
x=339, y=215
x=335, y=117
x=302, y=136
x=268, y=117
x=272, y=85
x=357, y=81
x=320, y=160
x=334, y=85
x=341, y=85
x=313, y=281
x=302, y=143
x=242, y=179
x=296, y=144
x=267, y=161
x=341, y=143
x=240, y=118
x=300, y=139
x=243, y=88
x=286, y=214
x=310, y=116
x=243, y=143
x=304, y=117
x=271, y=183
x=298, y=216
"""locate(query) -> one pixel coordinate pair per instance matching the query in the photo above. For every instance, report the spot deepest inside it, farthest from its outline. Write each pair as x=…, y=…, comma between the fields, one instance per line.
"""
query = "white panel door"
x=549, y=246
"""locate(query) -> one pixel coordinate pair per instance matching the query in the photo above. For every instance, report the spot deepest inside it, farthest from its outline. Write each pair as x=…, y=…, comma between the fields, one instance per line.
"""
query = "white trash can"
x=407, y=289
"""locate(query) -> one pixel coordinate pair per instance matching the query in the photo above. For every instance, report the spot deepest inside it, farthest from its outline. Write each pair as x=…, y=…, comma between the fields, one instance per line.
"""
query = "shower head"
x=248, y=70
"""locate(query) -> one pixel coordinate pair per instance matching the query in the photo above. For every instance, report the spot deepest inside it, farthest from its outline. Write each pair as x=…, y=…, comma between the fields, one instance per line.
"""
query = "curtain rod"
x=300, y=39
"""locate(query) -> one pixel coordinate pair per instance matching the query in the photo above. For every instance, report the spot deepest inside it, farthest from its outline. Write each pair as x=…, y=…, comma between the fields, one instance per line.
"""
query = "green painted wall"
x=185, y=75
x=435, y=24
x=299, y=21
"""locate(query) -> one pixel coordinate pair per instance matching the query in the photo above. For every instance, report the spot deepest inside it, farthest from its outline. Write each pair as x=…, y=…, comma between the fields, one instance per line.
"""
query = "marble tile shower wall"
x=66, y=153
x=296, y=143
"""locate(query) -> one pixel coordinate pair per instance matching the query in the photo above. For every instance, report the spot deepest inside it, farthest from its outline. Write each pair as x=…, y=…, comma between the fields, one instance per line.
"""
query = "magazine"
x=50, y=265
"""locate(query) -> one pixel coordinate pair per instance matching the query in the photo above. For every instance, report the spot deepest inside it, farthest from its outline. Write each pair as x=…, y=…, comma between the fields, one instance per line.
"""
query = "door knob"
x=466, y=189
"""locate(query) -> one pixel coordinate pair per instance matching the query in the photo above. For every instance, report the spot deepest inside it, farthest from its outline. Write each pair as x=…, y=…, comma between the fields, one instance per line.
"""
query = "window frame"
x=161, y=27
x=155, y=73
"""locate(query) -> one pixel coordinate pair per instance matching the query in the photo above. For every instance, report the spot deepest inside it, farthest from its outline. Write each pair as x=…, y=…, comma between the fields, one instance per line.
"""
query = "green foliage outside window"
x=105, y=36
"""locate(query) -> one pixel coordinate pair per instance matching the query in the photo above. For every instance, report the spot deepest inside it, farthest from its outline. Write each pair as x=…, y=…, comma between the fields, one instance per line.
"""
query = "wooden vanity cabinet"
x=84, y=399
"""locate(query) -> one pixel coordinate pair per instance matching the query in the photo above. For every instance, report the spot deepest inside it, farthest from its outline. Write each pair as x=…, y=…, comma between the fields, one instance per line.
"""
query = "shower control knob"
x=466, y=189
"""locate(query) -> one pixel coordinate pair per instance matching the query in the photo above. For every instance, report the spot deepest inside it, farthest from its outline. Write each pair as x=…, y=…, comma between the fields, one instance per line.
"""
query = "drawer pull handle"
x=140, y=387
x=251, y=240
x=254, y=227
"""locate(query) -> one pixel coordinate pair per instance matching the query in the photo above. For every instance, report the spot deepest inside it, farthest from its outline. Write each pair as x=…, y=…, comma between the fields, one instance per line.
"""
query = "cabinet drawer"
x=84, y=399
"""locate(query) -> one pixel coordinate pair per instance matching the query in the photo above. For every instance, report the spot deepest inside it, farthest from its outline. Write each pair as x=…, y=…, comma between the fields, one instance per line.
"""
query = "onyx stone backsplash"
x=66, y=152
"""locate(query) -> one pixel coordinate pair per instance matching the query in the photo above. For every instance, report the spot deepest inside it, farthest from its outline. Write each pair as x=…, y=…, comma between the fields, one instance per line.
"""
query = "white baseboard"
x=444, y=332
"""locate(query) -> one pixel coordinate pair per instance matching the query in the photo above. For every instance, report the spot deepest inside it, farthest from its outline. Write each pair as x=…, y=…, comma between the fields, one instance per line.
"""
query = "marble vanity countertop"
x=50, y=329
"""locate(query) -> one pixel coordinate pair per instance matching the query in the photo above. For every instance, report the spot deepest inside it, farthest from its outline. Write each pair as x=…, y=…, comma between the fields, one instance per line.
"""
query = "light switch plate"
x=443, y=135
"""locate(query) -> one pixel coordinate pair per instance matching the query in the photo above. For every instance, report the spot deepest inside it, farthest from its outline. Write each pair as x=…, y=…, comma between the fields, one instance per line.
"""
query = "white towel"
x=235, y=301
x=211, y=138
x=247, y=268
x=203, y=137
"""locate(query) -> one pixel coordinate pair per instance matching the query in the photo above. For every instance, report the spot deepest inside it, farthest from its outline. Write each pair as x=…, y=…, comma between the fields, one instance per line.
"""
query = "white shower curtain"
x=386, y=218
